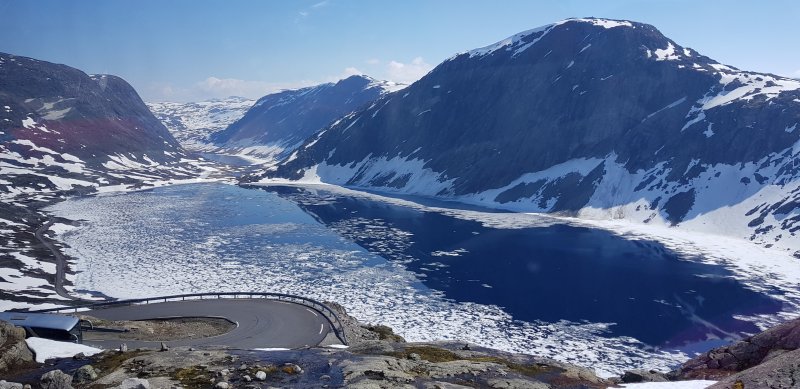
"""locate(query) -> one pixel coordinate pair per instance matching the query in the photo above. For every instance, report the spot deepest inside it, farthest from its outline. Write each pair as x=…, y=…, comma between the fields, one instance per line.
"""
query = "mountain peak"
x=520, y=42
x=600, y=22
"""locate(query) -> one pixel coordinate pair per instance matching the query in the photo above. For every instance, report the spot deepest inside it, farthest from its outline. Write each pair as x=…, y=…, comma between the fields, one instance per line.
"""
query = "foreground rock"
x=377, y=358
x=55, y=379
x=781, y=372
x=763, y=349
x=14, y=353
x=371, y=364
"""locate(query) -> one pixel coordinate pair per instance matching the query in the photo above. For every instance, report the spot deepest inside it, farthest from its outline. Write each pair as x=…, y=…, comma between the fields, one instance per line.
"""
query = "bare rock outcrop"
x=14, y=352
x=56, y=379
x=780, y=372
x=754, y=351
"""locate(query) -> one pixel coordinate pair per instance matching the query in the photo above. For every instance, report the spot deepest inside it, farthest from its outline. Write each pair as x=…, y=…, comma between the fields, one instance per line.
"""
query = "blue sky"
x=185, y=50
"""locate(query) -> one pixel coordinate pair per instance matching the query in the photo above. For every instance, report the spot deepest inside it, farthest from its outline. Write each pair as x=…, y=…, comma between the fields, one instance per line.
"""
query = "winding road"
x=60, y=260
x=261, y=323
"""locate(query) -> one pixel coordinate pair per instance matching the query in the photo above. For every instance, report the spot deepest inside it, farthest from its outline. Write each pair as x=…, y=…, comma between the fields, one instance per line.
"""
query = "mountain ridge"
x=593, y=118
x=279, y=122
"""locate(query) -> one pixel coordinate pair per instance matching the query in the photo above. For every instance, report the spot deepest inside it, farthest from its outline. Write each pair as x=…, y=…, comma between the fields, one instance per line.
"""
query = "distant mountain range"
x=192, y=123
x=271, y=127
x=280, y=122
x=594, y=118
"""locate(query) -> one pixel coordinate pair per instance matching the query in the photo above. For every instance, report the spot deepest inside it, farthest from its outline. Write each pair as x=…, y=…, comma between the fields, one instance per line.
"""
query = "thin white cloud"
x=215, y=87
x=304, y=13
x=352, y=71
x=373, y=61
x=407, y=73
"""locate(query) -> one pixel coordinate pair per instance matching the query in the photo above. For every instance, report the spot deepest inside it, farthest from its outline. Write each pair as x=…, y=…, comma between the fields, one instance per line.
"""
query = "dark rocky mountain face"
x=284, y=120
x=65, y=110
x=589, y=117
x=61, y=129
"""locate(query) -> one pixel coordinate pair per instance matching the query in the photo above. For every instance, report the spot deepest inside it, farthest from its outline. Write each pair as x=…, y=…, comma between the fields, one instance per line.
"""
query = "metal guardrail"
x=324, y=310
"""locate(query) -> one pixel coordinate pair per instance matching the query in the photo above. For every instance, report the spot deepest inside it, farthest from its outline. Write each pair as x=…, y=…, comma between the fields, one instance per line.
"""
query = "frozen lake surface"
x=572, y=293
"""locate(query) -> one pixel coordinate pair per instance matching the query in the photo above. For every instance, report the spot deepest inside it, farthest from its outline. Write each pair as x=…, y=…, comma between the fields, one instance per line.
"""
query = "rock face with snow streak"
x=592, y=118
x=280, y=122
x=63, y=109
x=61, y=129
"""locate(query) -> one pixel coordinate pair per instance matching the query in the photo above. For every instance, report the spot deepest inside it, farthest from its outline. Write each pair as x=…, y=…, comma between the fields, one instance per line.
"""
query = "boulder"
x=516, y=383
x=14, y=351
x=261, y=375
x=134, y=383
x=55, y=379
x=84, y=374
x=377, y=368
x=460, y=367
x=635, y=376
x=9, y=385
x=444, y=385
x=291, y=368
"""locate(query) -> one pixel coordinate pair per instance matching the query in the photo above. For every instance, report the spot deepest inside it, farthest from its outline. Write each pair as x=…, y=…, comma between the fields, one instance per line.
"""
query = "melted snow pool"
x=576, y=294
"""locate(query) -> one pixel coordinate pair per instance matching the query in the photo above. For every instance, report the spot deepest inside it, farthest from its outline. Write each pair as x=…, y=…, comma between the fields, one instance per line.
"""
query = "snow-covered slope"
x=63, y=132
x=192, y=123
x=280, y=122
x=595, y=118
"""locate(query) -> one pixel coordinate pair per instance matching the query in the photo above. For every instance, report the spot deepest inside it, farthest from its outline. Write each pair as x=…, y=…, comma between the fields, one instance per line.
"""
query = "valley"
x=588, y=191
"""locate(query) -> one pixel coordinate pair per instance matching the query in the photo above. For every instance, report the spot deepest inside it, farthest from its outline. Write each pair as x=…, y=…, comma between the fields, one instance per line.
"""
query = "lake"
x=573, y=293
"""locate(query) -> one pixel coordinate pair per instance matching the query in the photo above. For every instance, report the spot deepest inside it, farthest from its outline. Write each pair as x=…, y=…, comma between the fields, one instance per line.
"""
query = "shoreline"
x=523, y=220
x=757, y=267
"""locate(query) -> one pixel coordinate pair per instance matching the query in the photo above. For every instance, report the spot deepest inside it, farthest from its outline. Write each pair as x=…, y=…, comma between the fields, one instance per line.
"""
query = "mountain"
x=192, y=123
x=594, y=118
x=64, y=132
x=278, y=123
x=62, y=129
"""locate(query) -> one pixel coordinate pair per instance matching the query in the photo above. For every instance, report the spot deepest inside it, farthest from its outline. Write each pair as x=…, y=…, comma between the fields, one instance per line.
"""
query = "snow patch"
x=709, y=132
x=748, y=86
x=695, y=384
x=46, y=349
x=668, y=54
x=605, y=23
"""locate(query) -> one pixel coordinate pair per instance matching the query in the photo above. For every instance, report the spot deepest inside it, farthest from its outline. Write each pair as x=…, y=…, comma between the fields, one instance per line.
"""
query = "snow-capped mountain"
x=64, y=132
x=278, y=123
x=192, y=123
x=594, y=118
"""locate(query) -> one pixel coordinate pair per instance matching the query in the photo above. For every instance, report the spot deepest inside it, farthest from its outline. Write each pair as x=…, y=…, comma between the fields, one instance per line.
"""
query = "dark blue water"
x=552, y=273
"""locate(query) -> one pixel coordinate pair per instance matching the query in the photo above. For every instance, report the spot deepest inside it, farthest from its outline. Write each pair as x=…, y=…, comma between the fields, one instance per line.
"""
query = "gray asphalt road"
x=262, y=323
x=60, y=260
